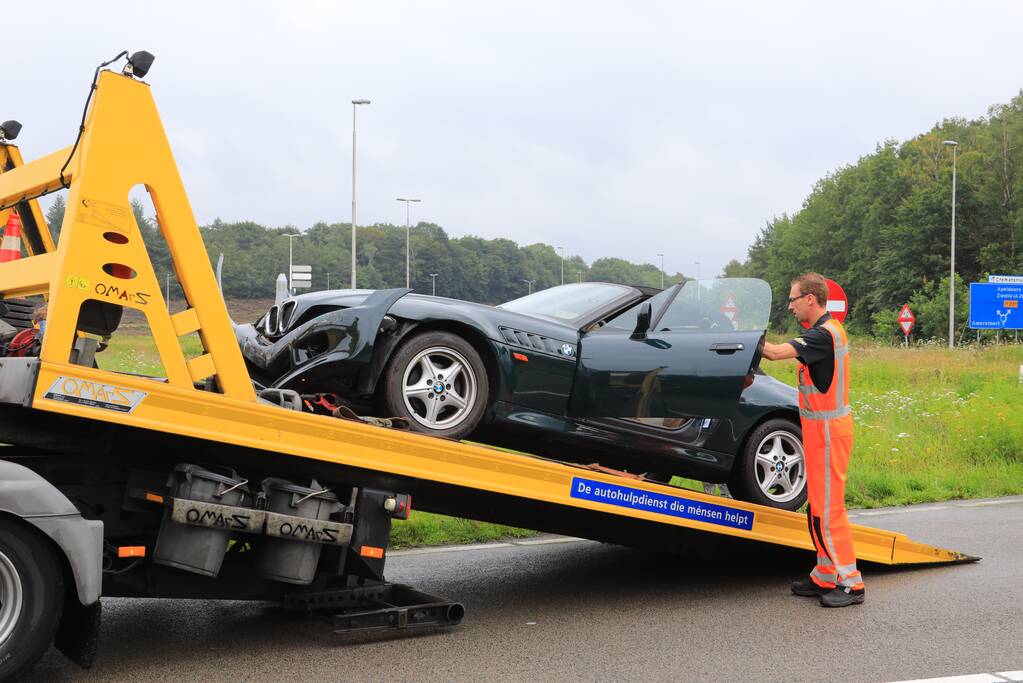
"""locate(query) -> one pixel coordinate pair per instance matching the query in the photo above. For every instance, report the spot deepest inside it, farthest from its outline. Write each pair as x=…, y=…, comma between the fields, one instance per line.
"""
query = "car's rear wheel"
x=31, y=597
x=771, y=469
x=437, y=381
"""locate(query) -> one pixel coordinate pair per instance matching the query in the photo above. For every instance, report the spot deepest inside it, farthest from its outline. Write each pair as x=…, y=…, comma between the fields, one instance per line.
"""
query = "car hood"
x=489, y=319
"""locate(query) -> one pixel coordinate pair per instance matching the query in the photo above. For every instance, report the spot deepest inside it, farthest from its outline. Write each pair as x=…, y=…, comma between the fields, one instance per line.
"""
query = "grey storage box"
x=291, y=549
x=198, y=549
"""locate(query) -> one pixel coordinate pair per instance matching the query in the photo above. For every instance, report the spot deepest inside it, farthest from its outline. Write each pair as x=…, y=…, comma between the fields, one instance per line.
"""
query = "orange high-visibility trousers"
x=827, y=443
x=826, y=455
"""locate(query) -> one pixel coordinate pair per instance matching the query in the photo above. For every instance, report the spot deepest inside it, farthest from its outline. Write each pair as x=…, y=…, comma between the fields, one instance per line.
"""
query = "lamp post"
x=433, y=276
x=529, y=285
x=355, y=104
x=407, y=237
x=952, y=267
x=291, y=241
x=662, y=270
x=328, y=281
x=562, y=250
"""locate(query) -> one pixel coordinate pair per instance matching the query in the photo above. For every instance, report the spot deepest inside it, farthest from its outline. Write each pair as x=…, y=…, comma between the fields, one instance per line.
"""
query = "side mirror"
x=642, y=321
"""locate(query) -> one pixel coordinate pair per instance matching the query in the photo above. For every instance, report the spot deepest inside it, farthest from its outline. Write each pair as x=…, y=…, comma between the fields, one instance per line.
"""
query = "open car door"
x=686, y=352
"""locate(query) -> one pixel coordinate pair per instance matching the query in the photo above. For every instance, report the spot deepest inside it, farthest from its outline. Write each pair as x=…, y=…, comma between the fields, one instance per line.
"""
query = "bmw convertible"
x=661, y=383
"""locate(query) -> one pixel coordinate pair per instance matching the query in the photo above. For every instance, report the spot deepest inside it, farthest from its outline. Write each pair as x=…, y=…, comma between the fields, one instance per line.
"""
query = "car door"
x=686, y=352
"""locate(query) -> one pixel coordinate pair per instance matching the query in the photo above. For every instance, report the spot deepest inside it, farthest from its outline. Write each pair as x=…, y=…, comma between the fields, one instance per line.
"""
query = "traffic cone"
x=10, y=246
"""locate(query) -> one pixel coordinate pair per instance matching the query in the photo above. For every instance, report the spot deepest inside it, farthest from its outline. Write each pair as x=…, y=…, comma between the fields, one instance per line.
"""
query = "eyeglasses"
x=793, y=298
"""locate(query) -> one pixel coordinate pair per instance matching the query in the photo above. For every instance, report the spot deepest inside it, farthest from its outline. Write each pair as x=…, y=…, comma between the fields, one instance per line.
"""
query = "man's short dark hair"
x=813, y=283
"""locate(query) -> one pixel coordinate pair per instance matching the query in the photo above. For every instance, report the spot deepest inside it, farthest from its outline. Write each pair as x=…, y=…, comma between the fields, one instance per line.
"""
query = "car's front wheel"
x=437, y=381
x=770, y=469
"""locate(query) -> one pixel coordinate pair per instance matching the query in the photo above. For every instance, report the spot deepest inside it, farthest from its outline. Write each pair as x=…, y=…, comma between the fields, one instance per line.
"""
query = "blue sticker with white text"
x=660, y=503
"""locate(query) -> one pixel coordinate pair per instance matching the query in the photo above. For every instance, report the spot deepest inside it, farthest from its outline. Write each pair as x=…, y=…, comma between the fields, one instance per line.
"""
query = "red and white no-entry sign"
x=730, y=311
x=906, y=319
x=838, y=302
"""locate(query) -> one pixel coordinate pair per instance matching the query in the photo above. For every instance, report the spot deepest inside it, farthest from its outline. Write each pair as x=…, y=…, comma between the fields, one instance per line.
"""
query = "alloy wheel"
x=439, y=387
x=780, y=467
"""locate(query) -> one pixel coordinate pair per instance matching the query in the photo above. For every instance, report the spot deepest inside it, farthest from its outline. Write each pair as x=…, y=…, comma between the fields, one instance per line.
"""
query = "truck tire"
x=31, y=597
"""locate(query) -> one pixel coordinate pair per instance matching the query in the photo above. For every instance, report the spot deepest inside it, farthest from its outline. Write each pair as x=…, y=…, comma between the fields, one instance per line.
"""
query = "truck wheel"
x=437, y=380
x=770, y=469
x=31, y=597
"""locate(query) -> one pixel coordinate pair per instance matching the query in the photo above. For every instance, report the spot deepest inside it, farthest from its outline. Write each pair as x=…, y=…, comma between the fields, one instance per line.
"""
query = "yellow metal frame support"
x=124, y=145
x=101, y=255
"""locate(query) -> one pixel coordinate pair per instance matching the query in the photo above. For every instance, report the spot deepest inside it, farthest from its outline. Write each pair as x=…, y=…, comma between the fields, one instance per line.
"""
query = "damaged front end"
x=333, y=351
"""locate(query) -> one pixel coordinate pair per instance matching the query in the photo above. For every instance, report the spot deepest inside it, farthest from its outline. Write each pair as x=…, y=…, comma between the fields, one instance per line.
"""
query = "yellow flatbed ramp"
x=206, y=407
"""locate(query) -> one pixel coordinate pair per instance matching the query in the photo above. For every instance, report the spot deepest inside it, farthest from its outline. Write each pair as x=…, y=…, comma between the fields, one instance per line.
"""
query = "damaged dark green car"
x=657, y=382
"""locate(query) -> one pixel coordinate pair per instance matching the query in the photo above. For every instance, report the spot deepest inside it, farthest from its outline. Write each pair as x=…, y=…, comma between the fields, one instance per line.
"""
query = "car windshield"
x=568, y=302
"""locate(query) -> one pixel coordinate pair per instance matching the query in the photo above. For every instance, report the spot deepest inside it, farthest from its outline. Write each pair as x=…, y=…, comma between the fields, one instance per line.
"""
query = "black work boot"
x=807, y=588
x=843, y=597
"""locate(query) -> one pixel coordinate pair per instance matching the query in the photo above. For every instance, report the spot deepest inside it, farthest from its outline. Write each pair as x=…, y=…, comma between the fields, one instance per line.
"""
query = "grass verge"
x=932, y=424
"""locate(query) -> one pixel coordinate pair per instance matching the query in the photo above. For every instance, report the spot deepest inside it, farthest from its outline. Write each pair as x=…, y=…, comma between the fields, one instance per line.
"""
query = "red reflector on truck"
x=131, y=551
x=370, y=551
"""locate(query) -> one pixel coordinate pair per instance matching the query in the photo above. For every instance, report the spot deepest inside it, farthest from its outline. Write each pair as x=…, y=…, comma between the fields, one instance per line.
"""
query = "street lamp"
x=662, y=270
x=697, y=270
x=952, y=268
x=355, y=103
x=433, y=276
x=562, y=250
x=529, y=285
x=291, y=289
x=407, y=237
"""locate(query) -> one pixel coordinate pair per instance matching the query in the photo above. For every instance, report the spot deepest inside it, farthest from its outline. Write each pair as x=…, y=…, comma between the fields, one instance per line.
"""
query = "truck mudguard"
x=26, y=495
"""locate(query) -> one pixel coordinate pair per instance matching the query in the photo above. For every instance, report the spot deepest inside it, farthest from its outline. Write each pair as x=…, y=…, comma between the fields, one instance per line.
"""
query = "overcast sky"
x=612, y=129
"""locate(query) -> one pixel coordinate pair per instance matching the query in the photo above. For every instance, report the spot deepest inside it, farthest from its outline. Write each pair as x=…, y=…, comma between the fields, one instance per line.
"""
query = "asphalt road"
x=551, y=609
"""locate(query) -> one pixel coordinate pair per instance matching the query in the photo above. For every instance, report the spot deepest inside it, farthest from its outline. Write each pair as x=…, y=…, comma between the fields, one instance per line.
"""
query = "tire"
x=437, y=407
x=753, y=479
x=31, y=597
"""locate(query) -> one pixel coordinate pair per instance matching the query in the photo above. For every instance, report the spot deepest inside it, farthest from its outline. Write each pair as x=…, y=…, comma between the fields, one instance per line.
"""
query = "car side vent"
x=530, y=341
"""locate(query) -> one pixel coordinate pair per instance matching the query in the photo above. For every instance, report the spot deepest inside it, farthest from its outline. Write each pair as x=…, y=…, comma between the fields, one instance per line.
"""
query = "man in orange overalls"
x=823, y=355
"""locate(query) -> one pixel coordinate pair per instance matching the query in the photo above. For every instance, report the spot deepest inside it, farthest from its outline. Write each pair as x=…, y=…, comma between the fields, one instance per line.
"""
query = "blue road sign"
x=996, y=306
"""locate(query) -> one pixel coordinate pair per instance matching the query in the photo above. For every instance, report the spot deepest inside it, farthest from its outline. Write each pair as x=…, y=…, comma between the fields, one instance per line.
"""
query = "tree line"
x=470, y=268
x=881, y=227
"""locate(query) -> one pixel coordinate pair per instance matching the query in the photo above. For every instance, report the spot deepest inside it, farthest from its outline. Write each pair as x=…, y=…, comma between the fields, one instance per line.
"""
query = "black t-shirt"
x=816, y=350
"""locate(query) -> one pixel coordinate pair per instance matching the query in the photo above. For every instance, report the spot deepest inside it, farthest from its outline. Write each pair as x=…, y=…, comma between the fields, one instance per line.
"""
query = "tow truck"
x=196, y=485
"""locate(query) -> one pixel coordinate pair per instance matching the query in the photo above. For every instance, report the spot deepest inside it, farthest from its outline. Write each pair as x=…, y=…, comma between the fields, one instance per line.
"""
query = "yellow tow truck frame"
x=208, y=401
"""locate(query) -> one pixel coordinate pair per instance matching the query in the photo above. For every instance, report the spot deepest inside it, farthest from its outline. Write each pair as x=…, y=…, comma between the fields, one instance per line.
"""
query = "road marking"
x=545, y=541
x=486, y=546
x=982, y=503
x=449, y=549
x=1001, y=677
x=903, y=511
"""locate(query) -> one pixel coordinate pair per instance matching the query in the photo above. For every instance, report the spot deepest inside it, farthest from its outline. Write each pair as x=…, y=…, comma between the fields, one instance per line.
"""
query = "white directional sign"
x=1006, y=279
x=301, y=276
